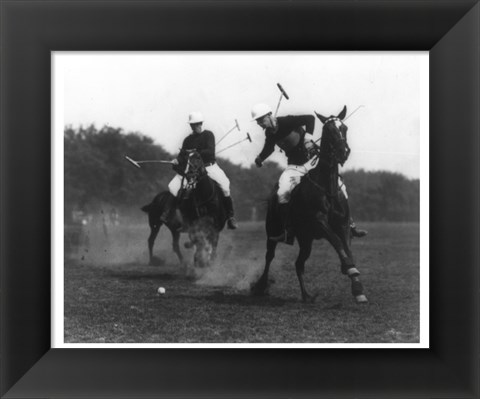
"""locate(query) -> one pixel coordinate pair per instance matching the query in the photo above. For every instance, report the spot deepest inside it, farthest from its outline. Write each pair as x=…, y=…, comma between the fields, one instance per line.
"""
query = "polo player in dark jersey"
x=294, y=135
x=203, y=141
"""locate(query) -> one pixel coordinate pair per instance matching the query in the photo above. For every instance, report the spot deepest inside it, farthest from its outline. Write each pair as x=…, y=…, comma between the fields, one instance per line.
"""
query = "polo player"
x=294, y=135
x=203, y=141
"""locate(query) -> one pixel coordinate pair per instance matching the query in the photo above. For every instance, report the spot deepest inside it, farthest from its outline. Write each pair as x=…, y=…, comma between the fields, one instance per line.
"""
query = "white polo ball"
x=161, y=290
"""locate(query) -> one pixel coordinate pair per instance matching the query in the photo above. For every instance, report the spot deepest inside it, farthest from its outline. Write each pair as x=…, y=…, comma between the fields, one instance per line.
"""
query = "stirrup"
x=232, y=223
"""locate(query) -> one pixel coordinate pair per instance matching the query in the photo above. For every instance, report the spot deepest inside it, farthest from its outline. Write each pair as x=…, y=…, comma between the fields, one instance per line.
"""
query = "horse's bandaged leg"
x=353, y=272
x=345, y=260
x=216, y=173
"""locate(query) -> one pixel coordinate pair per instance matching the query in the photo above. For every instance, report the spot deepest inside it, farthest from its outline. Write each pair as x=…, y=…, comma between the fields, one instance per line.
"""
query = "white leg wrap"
x=353, y=271
x=361, y=299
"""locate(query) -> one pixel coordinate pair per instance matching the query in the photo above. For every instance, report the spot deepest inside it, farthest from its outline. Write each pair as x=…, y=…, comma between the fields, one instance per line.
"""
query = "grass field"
x=111, y=293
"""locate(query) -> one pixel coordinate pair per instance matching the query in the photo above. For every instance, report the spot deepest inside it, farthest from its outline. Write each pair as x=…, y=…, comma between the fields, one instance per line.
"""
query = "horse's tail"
x=146, y=208
x=157, y=203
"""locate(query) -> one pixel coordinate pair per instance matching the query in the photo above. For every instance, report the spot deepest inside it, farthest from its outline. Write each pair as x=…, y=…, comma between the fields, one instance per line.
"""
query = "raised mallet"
x=283, y=93
x=237, y=126
x=234, y=144
x=356, y=109
x=137, y=163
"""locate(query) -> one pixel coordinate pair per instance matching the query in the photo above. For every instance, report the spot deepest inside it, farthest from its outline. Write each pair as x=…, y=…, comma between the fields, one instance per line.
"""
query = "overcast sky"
x=153, y=93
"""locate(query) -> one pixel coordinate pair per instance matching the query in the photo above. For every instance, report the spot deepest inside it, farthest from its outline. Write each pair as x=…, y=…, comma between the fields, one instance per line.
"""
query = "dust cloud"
x=230, y=268
x=126, y=244
x=108, y=245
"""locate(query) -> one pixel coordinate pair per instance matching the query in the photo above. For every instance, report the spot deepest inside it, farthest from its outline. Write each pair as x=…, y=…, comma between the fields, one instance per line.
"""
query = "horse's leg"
x=340, y=244
x=154, y=229
x=352, y=273
x=262, y=283
x=175, y=244
x=216, y=236
x=305, y=251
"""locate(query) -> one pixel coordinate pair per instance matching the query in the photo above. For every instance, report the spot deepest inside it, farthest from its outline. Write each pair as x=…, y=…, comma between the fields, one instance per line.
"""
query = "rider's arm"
x=308, y=141
x=304, y=120
x=181, y=155
x=208, y=152
x=268, y=148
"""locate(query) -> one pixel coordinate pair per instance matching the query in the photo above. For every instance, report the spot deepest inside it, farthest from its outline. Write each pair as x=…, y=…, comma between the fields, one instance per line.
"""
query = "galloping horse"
x=319, y=209
x=174, y=224
x=201, y=213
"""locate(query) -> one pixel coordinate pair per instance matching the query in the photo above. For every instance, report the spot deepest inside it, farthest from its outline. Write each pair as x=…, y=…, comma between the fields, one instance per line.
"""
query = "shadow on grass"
x=246, y=299
x=135, y=276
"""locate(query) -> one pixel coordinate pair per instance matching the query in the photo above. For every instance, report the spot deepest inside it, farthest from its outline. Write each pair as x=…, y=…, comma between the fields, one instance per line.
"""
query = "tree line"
x=98, y=178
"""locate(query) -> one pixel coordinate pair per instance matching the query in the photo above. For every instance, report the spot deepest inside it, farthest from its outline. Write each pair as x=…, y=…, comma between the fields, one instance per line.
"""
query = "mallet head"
x=134, y=163
x=283, y=91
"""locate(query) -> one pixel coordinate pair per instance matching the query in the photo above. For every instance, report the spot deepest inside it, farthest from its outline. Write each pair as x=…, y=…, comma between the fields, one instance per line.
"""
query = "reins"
x=320, y=187
x=330, y=164
x=197, y=177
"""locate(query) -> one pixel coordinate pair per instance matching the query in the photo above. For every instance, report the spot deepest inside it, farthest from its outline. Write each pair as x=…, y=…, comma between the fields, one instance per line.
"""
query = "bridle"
x=334, y=143
x=194, y=172
x=194, y=169
x=340, y=139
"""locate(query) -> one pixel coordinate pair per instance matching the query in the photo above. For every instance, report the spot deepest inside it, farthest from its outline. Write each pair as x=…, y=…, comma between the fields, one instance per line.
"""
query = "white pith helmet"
x=195, y=117
x=260, y=110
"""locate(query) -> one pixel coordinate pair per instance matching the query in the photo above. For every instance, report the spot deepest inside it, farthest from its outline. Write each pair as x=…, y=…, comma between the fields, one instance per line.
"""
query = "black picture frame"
x=30, y=30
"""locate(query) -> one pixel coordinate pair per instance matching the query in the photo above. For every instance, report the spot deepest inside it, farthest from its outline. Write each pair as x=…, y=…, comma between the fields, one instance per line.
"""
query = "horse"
x=200, y=213
x=174, y=224
x=318, y=209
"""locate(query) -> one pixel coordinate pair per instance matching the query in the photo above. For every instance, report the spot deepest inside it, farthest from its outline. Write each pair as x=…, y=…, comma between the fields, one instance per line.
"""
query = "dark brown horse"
x=319, y=209
x=200, y=213
x=174, y=224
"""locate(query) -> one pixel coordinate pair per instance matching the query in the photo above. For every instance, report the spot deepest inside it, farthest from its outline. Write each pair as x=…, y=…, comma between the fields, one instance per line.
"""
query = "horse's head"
x=334, y=134
x=195, y=167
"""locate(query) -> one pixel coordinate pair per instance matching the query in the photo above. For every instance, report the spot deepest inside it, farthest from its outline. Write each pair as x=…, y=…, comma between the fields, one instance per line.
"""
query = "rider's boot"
x=168, y=207
x=357, y=232
x=287, y=235
x=231, y=222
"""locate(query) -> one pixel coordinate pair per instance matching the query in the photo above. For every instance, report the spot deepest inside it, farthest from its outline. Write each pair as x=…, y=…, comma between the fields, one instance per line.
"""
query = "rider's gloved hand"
x=175, y=162
x=310, y=147
x=258, y=162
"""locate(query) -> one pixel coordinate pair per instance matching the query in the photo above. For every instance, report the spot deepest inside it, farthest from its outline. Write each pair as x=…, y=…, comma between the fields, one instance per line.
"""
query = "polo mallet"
x=234, y=144
x=356, y=109
x=137, y=163
x=283, y=93
x=237, y=126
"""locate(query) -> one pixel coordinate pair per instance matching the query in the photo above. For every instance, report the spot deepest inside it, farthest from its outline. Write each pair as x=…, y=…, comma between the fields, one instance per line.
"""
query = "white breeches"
x=213, y=171
x=291, y=177
x=220, y=177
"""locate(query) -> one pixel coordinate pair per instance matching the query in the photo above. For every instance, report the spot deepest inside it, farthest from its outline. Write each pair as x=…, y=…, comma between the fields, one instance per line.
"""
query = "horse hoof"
x=257, y=291
x=156, y=262
x=361, y=299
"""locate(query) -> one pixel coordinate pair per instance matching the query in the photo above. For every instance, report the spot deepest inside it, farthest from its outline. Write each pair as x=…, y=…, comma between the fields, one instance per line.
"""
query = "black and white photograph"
x=240, y=199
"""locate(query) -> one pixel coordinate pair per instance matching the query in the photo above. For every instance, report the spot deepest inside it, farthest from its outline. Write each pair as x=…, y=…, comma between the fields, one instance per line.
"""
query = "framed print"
x=85, y=79
x=109, y=175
